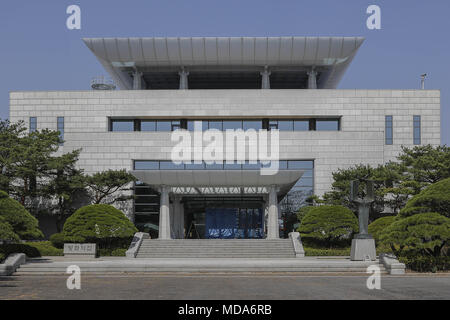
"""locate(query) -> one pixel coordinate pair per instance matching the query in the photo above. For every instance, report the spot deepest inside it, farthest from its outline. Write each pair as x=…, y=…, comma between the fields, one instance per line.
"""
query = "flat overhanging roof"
x=197, y=182
x=120, y=56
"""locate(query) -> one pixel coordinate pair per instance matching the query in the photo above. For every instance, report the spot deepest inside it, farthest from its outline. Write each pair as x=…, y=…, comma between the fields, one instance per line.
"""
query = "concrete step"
x=216, y=248
x=199, y=265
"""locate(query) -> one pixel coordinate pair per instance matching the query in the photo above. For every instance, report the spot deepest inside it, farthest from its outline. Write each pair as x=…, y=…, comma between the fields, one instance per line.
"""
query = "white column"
x=265, y=80
x=183, y=79
x=312, y=79
x=164, y=214
x=273, y=231
x=178, y=218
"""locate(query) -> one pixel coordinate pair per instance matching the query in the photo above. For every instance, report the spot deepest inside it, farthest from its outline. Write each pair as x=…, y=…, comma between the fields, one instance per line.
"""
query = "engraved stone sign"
x=80, y=250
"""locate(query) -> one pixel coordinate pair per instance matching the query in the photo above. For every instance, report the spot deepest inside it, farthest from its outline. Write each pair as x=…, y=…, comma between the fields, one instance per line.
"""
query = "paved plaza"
x=227, y=286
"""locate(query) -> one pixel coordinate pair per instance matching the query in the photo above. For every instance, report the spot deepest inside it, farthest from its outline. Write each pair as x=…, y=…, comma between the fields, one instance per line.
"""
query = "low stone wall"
x=136, y=243
x=11, y=263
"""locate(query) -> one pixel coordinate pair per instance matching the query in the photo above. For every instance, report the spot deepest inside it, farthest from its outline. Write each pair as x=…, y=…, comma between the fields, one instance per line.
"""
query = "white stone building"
x=287, y=83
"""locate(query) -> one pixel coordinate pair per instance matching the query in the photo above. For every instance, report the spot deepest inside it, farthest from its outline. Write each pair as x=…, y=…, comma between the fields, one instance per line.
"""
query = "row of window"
x=389, y=130
x=59, y=126
x=320, y=124
x=169, y=165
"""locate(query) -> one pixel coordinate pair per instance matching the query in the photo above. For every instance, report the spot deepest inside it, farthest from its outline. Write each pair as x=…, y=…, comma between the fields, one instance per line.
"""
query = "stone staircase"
x=216, y=248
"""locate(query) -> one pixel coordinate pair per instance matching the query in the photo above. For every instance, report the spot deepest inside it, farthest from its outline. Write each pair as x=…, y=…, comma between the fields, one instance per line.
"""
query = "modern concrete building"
x=284, y=83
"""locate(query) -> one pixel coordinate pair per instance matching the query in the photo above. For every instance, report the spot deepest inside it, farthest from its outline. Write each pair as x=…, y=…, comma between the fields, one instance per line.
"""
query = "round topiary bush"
x=379, y=225
x=420, y=234
x=99, y=223
x=328, y=226
x=7, y=232
x=22, y=222
x=434, y=198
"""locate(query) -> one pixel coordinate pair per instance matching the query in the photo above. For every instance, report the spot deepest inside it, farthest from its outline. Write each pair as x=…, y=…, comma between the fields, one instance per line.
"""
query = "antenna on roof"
x=423, y=76
x=101, y=83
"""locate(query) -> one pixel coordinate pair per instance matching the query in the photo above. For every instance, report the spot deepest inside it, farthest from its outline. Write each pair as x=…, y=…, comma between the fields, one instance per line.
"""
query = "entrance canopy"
x=199, y=182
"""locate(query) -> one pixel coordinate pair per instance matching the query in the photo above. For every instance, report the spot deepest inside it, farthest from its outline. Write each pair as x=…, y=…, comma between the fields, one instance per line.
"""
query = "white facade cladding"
x=361, y=138
x=286, y=83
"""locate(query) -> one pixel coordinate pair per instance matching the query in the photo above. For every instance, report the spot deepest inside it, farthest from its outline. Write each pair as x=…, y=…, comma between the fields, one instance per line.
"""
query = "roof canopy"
x=120, y=56
x=218, y=181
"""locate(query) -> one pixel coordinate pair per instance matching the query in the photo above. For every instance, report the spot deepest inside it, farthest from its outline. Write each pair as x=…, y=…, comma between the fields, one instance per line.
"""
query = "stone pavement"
x=227, y=286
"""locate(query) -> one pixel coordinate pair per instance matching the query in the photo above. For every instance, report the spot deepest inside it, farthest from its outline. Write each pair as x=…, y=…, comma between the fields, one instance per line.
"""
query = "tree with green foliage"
x=421, y=234
x=394, y=182
x=425, y=165
x=22, y=222
x=7, y=232
x=379, y=225
x=434, y=198
x=65, y=185
x=99, y=223
x=107, y=186
x=340, y=193
x=328, y=225
x=10, y=135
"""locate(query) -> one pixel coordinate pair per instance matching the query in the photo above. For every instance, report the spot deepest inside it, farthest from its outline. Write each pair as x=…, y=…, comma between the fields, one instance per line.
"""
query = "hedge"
x=30, y=251
x=328, y=226
x=434, y=198
x=99, y=223
x=22, y=222
x=379, y=225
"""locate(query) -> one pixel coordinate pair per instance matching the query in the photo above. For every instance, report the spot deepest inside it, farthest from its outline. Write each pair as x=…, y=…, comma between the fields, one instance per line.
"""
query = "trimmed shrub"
x=2, y=257
x=22, y=222
x=46, y=248
x=420, y=234
x=311, y=252
x=119, y=252
x=30, y=251
x=328, y=226
x=99, y=223
x=57, y=240
x=434, y=198
x=6, y=231
x=379, y=225
x=422, y=263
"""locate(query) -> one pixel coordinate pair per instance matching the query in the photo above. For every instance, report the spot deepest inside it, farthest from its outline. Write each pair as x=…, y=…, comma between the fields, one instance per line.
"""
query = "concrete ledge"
x=391, y=264
x=136, y=244
x=297, y=243
x=12, y=263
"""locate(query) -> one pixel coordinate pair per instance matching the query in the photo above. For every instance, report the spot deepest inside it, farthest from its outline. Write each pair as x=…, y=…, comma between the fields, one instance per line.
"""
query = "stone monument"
x=363, y=245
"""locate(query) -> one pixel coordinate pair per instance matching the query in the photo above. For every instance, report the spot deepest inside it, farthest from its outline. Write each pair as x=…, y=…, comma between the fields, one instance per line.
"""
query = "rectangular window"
x=33, y=124
x=301, y=125
x=60, y=126
x=285, y=125
x=389, y=130
x=232, y=125
x=416, y=130
x=252, y=124
x=122, y=125
x=327, y=125
x=148, y=125
x=215, y=125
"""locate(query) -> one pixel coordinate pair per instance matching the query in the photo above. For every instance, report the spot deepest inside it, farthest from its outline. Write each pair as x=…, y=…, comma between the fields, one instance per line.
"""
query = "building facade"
x=287, y=84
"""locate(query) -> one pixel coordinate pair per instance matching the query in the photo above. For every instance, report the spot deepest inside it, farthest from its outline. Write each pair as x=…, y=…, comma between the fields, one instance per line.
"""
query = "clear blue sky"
x=38, y=52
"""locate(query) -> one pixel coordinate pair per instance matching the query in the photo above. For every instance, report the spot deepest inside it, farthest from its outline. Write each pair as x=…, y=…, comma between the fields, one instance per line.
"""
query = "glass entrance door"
x=233, y=223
